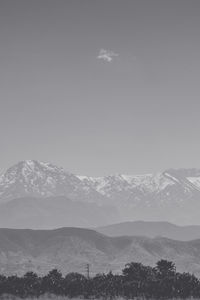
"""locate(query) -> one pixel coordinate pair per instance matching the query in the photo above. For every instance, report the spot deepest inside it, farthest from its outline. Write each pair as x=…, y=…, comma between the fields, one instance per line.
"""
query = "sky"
x=100, y=86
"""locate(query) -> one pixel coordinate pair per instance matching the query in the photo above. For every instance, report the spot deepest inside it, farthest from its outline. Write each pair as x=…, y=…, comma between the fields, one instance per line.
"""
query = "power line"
x=88, y=271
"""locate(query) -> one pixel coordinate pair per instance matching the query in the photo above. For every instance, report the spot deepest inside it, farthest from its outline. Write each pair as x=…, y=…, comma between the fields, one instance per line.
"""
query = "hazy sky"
x=100, y=86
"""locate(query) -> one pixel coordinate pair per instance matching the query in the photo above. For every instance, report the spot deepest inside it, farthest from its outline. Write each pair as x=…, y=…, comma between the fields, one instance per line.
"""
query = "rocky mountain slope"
x=173, y=195
x=70, y=249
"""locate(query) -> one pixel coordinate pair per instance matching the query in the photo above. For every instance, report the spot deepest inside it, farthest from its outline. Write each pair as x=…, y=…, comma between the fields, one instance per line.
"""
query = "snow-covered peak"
x=42, y=179
x=109, y=185
x=29, y=170
x=39, y=179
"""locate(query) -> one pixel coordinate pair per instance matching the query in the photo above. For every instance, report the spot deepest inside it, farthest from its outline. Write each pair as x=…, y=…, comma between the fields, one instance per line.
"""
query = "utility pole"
x=88, y=271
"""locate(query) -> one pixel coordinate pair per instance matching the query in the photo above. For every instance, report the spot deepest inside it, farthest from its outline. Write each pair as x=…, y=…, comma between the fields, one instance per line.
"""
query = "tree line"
x=136, y=280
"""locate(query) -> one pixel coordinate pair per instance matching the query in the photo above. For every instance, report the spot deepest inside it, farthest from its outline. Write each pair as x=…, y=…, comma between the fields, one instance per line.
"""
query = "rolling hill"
x=69, y=249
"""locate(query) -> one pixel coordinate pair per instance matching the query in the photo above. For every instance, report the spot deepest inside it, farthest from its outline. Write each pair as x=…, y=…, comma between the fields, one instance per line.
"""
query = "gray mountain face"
x=53, y=212
x=70, y=249
x=173, y=195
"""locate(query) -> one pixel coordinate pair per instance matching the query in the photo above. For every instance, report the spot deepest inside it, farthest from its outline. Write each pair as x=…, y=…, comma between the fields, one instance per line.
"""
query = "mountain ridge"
x=152, y=230
x=70, y=249
x=173, y=195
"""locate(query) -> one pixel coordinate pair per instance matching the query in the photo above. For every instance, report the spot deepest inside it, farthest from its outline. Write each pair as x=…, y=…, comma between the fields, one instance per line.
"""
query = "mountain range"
x=35, y=194
x=70, y=249
x=152, y=230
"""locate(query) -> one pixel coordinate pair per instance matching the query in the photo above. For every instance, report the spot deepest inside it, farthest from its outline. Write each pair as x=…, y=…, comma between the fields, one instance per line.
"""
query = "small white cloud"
x=107, y=55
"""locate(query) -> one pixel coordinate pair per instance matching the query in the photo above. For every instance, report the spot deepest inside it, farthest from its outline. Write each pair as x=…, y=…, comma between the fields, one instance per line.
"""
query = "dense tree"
x=74, y=284
x=187, y=285
x=136, y=280
x=31, y=284
x=165, y=268
x=53, y=282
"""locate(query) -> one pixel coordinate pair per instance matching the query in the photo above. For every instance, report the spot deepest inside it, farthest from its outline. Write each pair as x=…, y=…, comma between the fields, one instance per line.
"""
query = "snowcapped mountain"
x=171, y=185
x=112, y=186
x=173, y=195
x=39, y=179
